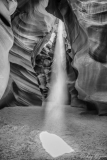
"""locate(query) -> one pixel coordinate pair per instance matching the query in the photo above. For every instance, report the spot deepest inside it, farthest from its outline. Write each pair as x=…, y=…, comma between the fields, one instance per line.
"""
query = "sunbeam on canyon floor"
x=52, y=143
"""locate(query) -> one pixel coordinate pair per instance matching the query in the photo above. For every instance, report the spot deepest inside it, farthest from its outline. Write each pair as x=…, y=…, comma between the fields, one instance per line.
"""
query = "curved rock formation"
x=6, y=42
x=86, y=27
x=30, y=28
x=90, y=59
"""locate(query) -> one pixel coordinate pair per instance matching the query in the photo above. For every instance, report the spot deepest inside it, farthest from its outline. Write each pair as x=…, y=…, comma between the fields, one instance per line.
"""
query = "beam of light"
x=54, y=109
x=58, y=92
x=54, y=145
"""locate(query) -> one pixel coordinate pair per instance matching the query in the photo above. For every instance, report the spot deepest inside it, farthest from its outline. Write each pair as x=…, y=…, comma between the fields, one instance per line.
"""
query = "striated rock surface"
x=90, y=60
x=30, y=28
x=6, y=42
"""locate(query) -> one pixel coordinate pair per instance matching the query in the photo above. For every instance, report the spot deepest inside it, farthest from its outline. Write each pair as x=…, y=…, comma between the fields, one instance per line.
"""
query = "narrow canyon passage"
x=20, y=128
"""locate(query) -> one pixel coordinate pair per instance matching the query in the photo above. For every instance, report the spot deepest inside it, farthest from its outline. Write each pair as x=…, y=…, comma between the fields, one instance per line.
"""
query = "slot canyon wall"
x=33, y=28
x=90, y=59
x=85, y=24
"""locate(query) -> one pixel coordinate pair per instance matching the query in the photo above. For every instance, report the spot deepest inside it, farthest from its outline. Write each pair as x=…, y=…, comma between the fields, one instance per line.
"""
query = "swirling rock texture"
x=32, y=29
x=86, y=28
x=89, y=43
x=6, y=42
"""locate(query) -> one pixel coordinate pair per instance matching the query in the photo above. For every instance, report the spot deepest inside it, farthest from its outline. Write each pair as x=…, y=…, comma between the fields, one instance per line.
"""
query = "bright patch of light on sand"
x=54, y=145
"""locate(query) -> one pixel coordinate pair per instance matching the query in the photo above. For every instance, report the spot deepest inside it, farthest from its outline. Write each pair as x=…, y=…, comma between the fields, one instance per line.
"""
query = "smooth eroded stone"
x=31, y=28
x=6, y=42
